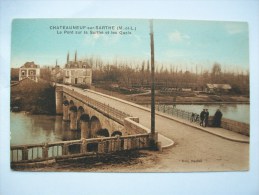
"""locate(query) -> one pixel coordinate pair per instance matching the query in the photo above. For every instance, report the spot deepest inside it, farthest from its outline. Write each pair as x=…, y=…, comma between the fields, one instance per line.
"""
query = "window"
x=23, y=73
x=31, y=72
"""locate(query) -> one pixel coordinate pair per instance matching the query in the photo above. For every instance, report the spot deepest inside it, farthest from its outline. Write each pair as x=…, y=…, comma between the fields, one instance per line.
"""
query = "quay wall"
x=236, y=126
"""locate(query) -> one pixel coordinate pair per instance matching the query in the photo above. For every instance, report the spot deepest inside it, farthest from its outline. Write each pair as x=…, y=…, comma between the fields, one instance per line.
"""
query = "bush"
x=37, y=98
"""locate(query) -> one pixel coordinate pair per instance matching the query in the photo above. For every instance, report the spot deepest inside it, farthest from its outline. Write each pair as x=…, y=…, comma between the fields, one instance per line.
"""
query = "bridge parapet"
x=105, y=109
x=132, y=124
x=34, y=153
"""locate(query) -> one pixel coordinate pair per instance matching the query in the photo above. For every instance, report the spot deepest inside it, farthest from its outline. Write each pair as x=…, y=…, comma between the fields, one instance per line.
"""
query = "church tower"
x=67, y=57
x=75, y=56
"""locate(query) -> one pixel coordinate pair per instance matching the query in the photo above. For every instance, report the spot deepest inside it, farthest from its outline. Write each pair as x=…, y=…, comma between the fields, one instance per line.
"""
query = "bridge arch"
x=71, y=103
x=73, y=108
x=81, y=110
x=103, y=133
x=114, y=133
x=95, y=125
x=66, y=102
x=85, y=117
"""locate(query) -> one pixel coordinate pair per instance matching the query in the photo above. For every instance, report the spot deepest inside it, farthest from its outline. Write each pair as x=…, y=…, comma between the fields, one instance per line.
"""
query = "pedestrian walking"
x=217, y=118
x=202, y=115
x=206, y=117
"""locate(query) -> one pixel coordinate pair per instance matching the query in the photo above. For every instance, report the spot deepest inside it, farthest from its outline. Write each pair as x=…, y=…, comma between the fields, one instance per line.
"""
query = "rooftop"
x=30, y=65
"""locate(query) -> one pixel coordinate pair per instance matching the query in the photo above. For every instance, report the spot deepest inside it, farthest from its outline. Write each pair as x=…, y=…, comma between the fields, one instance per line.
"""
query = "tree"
x=216, y=73
x=45, y=73
x=14, y=74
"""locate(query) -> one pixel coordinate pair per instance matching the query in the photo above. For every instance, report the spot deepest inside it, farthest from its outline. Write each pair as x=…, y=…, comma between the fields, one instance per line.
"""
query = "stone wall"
x=131, y=124
x=232, y=125
x=235, y=126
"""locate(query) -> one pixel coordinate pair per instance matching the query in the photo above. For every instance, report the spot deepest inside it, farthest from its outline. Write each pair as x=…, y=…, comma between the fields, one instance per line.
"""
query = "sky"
x=182, y=43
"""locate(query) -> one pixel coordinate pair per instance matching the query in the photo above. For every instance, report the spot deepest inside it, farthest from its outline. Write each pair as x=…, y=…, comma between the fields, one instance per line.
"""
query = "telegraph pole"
x=152, y=80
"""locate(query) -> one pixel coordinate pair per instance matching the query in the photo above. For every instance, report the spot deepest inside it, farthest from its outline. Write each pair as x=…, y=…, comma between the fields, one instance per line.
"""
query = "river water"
x=35, y=129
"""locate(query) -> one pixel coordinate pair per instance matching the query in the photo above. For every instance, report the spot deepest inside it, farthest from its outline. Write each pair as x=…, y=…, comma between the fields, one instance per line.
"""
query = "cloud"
x=177, y=37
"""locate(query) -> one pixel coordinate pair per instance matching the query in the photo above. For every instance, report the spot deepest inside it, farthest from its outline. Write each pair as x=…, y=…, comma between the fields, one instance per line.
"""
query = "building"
x=57, y=74
x=215, y=88
x=77, y=72
x=29, y=70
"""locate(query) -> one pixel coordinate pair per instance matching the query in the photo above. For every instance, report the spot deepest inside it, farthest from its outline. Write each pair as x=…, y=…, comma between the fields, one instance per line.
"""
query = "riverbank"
x=33, y=97
x=145, y=98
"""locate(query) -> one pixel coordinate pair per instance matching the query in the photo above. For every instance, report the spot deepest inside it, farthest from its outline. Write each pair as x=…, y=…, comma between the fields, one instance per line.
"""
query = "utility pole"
x=152, y=80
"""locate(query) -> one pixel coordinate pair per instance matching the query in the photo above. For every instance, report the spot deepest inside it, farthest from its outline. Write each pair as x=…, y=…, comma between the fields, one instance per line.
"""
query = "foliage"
x=14, y=74
x=138, y=76
x=45, y=73
x=36, y=98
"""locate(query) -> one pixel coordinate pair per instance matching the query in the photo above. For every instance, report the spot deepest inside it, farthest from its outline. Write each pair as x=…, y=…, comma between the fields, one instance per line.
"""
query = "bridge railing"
x=236, y=126
x=178, y=113
x=103, y=108
x=76, y=148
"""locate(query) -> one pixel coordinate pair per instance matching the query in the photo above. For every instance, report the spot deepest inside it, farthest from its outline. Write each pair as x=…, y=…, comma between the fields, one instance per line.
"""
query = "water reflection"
x=32, y=129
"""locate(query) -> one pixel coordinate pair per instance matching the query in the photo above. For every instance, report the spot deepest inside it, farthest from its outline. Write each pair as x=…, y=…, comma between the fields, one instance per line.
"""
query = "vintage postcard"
x=129, y=95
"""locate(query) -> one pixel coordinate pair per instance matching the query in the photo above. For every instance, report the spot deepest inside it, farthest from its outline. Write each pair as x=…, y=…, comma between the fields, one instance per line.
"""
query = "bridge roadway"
x=195, y=148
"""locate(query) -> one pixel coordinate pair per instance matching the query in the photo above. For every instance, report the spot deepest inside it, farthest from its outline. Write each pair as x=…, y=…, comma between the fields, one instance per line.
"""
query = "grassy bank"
x=184, y=98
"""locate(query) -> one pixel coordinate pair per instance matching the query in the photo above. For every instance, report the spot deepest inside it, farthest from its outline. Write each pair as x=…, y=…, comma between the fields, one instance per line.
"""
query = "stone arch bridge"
x=104, y=130
x=93, y=118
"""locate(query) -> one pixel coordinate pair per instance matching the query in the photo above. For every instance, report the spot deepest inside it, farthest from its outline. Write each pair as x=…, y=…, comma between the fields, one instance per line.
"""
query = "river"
x=35, y=129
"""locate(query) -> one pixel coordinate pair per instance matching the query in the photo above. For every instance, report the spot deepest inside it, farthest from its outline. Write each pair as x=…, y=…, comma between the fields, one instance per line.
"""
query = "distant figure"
x=206, y=117
x=202, y=115
x=217, y=118
x=192, y=117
